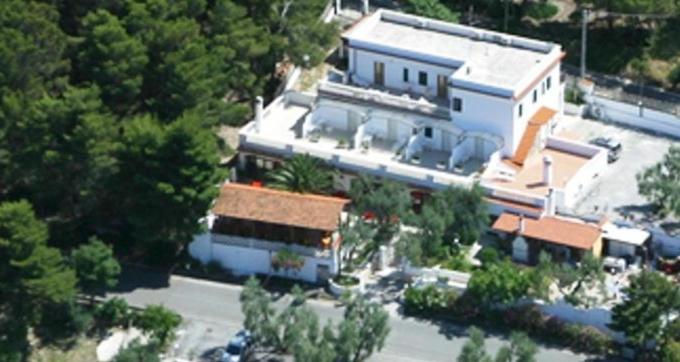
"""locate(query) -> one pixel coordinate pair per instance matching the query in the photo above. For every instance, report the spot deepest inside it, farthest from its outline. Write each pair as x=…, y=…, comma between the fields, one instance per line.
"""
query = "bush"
x=429, y=300
x=346, y=280
x=488, y=256
x=160, y=322
x=63, y=321
x=542, y=10
x=136, y=352
x=113, y=312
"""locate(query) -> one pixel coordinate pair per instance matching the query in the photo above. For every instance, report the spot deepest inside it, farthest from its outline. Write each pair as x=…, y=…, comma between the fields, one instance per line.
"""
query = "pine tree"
x=32, y=276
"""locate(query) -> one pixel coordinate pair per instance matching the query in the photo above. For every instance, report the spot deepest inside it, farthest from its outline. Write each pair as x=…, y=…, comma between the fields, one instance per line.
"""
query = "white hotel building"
x=434, y=104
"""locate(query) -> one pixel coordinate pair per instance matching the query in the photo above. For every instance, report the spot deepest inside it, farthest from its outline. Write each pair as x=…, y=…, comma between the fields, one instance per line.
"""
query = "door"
x=442, y=85
x=379, y=73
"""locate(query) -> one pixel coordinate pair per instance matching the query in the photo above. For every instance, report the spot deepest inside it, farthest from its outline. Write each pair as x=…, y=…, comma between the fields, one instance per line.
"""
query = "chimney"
x=520, y=230
x=547, y=170
x=259, y=107
x=365, y=7
x=550, y=204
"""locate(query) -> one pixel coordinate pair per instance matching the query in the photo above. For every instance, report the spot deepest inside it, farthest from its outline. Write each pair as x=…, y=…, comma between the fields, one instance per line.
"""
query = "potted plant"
x=342, y=143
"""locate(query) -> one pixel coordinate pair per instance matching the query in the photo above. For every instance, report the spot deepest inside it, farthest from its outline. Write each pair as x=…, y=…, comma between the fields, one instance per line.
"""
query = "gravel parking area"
x=615, y=192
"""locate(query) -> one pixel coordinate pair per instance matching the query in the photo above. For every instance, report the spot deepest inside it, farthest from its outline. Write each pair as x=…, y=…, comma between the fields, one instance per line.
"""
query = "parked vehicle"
x=613, y=147
x=239, y=348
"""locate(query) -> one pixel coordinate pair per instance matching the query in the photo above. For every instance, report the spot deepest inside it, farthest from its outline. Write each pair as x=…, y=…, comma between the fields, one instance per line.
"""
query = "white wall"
x=629, y=114
x=248, y=261
x=362, y=63
x=485, y=113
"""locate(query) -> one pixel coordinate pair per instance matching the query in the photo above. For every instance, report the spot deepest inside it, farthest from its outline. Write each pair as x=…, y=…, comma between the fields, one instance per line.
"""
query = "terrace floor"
x=529, y=178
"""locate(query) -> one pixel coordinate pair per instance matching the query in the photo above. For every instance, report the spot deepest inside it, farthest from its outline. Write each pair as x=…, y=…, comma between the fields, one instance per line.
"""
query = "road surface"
x=212, y=314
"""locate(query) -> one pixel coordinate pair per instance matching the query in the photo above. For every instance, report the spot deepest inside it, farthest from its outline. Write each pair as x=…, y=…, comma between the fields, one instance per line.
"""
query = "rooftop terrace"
x=490, y=58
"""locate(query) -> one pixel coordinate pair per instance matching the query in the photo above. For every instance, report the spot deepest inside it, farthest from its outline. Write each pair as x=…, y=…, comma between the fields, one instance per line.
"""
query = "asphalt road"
x=212, y=315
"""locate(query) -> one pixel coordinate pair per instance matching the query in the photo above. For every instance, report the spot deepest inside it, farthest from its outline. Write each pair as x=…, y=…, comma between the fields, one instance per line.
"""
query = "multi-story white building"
x=434, y=104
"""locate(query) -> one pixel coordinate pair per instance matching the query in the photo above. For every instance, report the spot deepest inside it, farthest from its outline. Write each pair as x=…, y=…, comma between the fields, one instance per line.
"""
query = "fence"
x=633, y=115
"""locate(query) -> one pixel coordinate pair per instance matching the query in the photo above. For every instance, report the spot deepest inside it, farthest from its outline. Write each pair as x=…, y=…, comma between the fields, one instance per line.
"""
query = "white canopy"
x=625, y=234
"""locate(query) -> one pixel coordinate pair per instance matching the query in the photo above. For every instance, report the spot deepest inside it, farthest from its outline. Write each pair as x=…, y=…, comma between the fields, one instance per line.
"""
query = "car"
x=612, y=146
x=239, y=348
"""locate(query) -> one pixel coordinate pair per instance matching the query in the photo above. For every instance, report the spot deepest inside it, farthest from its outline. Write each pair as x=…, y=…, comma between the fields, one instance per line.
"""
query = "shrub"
x=63, y=321
x=488, y=256
x=429, y=300
x=288, y=260
x=113, y=312
x=542, y=10
x=160, y=322
x=137, y=352
x=346, y=280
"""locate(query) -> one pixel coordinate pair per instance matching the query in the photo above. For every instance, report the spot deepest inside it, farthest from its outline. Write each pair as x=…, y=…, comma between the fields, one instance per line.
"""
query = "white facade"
x=490, y=75
x=246, y=256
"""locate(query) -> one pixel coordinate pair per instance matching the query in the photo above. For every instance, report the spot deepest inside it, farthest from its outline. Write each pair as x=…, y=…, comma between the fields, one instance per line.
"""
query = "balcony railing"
x=272, y=246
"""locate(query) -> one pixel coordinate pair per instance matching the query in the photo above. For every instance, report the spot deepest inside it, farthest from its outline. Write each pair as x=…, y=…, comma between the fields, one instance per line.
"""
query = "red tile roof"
x=537, y=121
x=556, y=230
x=279, y=207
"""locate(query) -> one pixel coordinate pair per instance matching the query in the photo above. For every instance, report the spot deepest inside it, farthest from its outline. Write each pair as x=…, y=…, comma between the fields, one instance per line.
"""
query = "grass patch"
x=542, y=10
x=83, y=350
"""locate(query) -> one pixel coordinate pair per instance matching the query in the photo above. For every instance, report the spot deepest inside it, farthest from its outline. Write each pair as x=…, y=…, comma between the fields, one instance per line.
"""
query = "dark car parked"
x=613, y=147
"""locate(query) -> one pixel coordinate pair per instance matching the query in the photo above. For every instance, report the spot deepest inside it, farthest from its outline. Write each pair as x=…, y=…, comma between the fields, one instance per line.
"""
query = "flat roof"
x=279, y=207
x=490, y=58
x=529, y=177
x=626, y=235
x=553, y=229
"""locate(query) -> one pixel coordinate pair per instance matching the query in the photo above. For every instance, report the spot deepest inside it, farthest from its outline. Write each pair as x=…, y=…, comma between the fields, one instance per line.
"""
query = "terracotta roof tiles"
x=279, y=207
x=556, y=230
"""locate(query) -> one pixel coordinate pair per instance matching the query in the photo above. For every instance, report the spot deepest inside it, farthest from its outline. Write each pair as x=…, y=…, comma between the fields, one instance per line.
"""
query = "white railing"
x=379, y=97
x=273, y=246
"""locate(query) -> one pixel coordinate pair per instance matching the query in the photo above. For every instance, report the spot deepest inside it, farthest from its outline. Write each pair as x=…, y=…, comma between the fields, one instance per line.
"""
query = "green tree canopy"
x=32, y=276
x=303, y=174
x=95, y=266
x=499, y=283
x=660, y=183
x=160, y=322
x=650, y=300
x=112, y=59
x=434, y=9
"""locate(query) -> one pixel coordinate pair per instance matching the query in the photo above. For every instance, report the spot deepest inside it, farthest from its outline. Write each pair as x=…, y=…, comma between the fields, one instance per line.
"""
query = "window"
x=520, y=110
x=422, y=78
x=405, y=74
x=535, y=95
x=379, y=73
x=457, y=104
x=543, y=88
x=547, y=83
x=428, y=132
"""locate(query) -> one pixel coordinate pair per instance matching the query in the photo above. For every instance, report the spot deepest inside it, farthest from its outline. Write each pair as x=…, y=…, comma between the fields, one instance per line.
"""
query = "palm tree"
x=303, y=174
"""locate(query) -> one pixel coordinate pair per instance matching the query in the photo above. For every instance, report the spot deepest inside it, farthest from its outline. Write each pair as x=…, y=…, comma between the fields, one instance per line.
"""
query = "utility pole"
x=505, y=17
x=584, y=40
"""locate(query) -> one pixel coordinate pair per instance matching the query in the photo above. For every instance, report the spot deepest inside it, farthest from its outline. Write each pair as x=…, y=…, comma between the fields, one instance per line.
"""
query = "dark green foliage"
x=113, y=312
x=434, y=9
x=296, y=328
x=660, y=183
x=429, y=300
x=62, y=322
x=163, y=204
x=159, y=322
x=303, y=174
x=499, y=283
x=112, y=59
x=95, y=266
x=674, y=75
x=386, y=201
x=136, y=352
x=651, y=300
x=542, y=10
x=448, y=218
x=520, y=349
x=32, y=276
